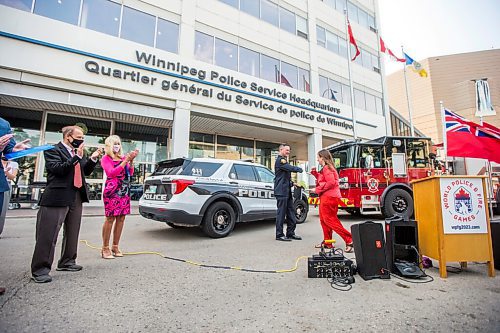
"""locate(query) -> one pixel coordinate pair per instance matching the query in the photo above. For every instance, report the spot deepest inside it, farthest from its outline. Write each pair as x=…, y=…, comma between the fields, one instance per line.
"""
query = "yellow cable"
x=200, y=264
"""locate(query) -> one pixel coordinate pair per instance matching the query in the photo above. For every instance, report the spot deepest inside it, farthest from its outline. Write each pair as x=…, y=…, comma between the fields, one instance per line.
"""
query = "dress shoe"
x=71, y=268
x=42, y=278
x=295, y=237
x=283, y=239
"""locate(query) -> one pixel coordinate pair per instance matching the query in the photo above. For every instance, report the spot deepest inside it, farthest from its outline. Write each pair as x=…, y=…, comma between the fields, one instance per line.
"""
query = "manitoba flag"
x=468, y=139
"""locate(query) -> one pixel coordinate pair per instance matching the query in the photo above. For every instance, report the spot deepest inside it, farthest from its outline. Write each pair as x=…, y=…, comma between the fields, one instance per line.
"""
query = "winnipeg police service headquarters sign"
x=463, y=206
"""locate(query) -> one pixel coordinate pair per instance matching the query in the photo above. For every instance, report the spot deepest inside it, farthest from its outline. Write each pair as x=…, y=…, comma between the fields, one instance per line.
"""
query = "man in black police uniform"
x=283, y=193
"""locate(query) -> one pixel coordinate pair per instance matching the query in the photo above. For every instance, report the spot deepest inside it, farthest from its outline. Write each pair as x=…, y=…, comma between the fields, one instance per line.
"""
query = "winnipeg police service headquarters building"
x=225, y=79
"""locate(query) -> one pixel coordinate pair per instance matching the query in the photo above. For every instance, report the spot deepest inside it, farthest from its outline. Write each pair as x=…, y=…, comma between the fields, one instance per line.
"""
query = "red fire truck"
x=375, y=175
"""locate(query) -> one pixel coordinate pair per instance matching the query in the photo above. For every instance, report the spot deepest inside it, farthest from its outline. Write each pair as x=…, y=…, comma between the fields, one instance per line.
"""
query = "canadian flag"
x=388, y=51
x=353, y=41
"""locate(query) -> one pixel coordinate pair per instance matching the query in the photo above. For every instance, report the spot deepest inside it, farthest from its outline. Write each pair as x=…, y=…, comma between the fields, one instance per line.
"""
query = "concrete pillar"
x=180, y=129
x=314, y=144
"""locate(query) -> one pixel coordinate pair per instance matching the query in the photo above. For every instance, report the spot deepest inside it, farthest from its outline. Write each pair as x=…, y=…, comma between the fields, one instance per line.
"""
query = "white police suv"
x=213, y=194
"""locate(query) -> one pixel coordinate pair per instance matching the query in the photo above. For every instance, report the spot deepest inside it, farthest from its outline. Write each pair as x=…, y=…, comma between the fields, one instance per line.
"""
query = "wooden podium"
x=453, y=220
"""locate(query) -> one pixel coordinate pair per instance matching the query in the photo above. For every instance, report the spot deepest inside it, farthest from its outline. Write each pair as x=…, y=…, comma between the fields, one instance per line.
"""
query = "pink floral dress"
x=116, y=193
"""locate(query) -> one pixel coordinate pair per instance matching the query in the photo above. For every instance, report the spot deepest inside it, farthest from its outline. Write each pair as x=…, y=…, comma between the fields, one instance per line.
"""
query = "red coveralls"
x=327, y=187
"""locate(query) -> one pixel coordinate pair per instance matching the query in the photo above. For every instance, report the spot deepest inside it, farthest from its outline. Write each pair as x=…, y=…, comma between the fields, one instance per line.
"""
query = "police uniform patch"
x=283, y=161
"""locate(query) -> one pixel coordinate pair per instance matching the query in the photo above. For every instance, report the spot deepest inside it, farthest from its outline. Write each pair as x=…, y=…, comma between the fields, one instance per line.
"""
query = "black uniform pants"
x=285, y=212
x=48, y=224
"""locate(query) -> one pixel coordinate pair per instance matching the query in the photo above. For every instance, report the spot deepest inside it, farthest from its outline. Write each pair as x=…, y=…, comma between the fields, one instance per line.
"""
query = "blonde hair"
x=109, y=142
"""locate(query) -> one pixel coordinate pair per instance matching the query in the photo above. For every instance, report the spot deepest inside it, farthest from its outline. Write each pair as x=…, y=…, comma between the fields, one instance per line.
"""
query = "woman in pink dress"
x=116, y=193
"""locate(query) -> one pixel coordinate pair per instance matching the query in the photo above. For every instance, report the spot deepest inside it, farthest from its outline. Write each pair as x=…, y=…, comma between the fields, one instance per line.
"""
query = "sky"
x=428, y=28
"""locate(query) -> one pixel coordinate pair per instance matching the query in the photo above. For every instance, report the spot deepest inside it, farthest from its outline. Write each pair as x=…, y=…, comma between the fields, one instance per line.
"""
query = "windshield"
x=186, y=167
x=343, y=157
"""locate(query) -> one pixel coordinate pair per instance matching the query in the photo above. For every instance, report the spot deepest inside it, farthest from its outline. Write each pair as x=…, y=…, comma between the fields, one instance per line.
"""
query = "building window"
x=340, y=5
x=204, y=47
x=370, y=103
x=366, y=58
x=269, y=68
x=233, y=3
x=249, y=62
x=330, y=89
x=167, y=36
x=332, y=42
x=102, y=16
x=65, y=11
x=269, y=12
x=234, y=148
x=359, y=99
x=321, y=36
x=287, y=20
x=302, y=29
x=138, y=26
x=362, y=17
x=251, y=7
x=352, y=12
x=18, y=4
x=378, y=105
x=289, y=75
x=226, y=54
x=343, y=47
x=346, y=94
x=305, y=80
x=201, y=145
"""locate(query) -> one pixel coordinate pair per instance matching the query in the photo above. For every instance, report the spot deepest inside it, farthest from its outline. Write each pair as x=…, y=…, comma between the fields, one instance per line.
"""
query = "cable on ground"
x=293, y=269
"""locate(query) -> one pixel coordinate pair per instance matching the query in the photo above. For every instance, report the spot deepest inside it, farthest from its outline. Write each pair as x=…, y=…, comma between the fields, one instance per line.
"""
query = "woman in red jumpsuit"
x=327, y=187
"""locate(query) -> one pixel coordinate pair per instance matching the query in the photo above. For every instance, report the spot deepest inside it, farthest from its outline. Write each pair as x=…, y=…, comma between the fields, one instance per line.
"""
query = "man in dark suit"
x=61, y=203
x=283, y=193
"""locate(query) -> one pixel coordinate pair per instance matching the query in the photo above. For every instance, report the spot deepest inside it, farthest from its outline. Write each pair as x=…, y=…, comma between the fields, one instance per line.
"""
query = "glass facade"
x=67, y=11
x=138, y=26
x=269, y=11
x=226, y=54
x=102, y=16
x=108, y=17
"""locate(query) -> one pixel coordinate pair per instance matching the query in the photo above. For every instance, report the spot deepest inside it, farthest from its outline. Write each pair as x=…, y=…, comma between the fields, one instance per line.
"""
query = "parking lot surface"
x=147, y=293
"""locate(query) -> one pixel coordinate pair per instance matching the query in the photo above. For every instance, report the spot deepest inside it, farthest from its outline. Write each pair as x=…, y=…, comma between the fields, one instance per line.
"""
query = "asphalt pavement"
x=148, y=293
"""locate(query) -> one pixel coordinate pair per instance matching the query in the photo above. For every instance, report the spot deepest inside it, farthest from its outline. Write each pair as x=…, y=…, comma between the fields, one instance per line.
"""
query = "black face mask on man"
x=76, y=142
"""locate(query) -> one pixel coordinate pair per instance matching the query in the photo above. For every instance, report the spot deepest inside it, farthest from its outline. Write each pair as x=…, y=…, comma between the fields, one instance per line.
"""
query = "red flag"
x=352, y=41
x=284, y=81
x=468, y=139
x=307, y=86
x=388, y=51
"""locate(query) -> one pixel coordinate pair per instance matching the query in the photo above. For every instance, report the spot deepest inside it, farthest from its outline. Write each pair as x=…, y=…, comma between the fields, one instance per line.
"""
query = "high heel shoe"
x=349, y=248
x=116, y=251
x=106, y=253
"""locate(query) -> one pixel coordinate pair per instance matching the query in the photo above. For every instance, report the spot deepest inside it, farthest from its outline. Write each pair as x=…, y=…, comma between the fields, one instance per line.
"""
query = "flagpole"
x=354, y=132
x=445, y=141
x=408, y=97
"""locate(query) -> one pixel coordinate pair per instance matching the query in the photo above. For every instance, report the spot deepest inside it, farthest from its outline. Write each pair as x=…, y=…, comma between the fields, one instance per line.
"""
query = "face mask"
x=116, y=148
x=76, y=142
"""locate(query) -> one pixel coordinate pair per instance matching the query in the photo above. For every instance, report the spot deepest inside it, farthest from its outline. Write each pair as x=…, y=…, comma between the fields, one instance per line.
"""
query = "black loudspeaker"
x=400, y=237
x=369, y=248
x=495, y=239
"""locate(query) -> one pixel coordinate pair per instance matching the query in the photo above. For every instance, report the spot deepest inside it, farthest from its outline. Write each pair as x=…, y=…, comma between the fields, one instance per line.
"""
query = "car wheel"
x=219, y=220
x=397, y=202
x=301, y=208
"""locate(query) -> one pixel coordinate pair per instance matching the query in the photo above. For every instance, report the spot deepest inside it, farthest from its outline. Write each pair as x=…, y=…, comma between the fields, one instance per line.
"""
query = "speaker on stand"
x=369, y=248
